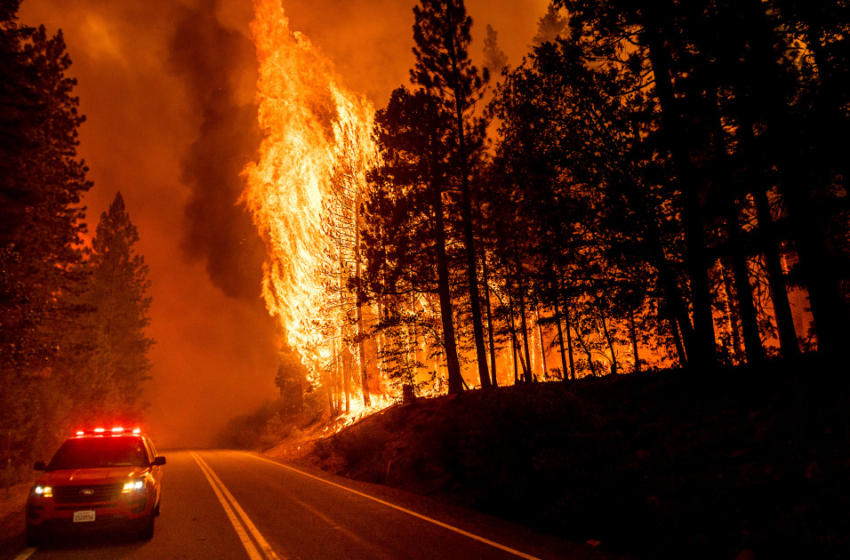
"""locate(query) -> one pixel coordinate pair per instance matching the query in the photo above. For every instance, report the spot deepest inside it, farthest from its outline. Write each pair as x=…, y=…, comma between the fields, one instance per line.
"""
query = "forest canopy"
x=657, y=184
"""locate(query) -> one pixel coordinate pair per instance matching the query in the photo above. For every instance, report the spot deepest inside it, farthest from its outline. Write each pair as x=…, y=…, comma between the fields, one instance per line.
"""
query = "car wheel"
x=147, y=527
x=34, y=536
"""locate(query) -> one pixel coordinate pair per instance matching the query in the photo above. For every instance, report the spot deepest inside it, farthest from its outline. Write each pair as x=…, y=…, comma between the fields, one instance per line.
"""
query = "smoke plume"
x=212, y=61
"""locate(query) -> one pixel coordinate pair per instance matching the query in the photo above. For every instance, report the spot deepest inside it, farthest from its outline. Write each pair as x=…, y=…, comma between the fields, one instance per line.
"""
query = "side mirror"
x=159, y=460
x=40, y=466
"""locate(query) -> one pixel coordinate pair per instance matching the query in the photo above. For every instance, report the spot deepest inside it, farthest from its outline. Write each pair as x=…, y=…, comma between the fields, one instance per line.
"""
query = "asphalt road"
x=229, y=504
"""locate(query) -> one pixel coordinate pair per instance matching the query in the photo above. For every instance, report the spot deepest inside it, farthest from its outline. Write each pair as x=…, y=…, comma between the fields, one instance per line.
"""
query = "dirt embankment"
x=736, y=464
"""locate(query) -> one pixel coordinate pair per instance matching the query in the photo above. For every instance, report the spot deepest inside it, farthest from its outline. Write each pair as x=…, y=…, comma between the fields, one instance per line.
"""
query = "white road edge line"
x=270, y=553
x=350, y=534
x=399, y=508
x=26, y=553
x=252, y=551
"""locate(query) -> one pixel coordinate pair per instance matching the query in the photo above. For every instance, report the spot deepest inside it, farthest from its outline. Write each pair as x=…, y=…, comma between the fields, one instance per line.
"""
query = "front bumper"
x=127, y=510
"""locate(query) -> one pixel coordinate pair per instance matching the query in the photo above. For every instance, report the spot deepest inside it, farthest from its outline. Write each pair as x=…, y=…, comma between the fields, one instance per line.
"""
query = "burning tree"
x=355, y=154
x=303, y=193
x=627, y=206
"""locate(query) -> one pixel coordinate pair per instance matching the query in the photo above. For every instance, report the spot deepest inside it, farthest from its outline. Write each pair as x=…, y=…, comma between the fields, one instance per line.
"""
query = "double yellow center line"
x=240, y=520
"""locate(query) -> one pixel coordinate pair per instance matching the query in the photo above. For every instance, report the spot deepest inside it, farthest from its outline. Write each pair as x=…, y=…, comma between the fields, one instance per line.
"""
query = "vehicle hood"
x=90, y=476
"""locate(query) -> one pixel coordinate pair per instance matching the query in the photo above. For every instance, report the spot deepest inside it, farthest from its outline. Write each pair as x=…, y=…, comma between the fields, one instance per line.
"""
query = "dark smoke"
x=212, y=61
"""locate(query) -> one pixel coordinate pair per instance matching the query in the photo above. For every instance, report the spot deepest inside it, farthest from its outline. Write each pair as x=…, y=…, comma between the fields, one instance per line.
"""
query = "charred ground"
x=739, y=463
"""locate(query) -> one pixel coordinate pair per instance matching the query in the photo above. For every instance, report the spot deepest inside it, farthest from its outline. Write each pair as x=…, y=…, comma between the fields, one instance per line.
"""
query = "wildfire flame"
x=317, y=144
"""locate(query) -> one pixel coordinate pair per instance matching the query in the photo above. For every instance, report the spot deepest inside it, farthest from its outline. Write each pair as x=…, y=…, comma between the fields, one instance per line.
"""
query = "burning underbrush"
x=657, y=465
x=276, y=424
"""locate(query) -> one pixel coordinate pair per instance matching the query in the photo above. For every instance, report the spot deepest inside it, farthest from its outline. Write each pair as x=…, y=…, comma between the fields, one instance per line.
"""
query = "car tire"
x=34, y=536
x=146, y=532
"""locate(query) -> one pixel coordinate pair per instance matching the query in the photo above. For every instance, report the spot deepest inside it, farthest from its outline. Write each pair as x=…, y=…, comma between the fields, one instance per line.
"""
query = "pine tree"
x=494, y=57
x=550, y=26
x=441, y=32
x=117, y=296
x=41, y=183
x=408, y=234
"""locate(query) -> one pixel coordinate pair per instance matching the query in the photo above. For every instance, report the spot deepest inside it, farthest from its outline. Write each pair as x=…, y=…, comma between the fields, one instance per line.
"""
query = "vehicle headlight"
x=133, y=485
x=43, y=491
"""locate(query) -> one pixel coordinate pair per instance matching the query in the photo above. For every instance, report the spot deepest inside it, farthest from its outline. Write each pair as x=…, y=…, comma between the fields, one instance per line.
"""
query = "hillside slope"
x=739, y=464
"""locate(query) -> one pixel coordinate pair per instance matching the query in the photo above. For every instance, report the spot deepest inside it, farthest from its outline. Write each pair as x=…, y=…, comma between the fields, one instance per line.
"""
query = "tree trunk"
x=443, y=289
x=704, y=351
x=466, y=212
x=769, y=241
x=344, y=352
x=361, y=335
x=614, y=365
x=523, y=324
x=412, y=345
x=380, y=344
x=331, y=384
x=734, y=319
x=677, y=340
x=515, y=363
x=490, y=336
x=737, y=244
x=569, y=334
x=633, y=332
x=338, y=392
x=542, y=346
x=566, y=371
x=514, y=346
x=485, y=273
x=818, y=268
x=517, y=348
x=587, y=353
x=675, y=308
x=346, y=376
x=788, y=344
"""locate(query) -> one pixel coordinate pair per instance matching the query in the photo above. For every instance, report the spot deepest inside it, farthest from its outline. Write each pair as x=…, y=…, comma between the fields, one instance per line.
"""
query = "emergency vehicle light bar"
x=116, y=431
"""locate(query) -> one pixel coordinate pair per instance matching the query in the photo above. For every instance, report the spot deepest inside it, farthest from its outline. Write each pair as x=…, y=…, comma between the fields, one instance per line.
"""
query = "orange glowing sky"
x=167, y=87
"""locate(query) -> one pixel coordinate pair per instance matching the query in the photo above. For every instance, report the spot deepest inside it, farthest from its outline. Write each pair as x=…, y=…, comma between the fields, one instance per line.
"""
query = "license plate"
x=84, y=516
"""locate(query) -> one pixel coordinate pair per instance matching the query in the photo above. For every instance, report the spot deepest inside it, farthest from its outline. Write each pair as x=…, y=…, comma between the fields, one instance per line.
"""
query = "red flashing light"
x=116, y=431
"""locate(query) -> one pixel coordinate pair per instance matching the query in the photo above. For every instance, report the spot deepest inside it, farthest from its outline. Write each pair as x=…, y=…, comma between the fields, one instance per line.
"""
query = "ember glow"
x=302, y=191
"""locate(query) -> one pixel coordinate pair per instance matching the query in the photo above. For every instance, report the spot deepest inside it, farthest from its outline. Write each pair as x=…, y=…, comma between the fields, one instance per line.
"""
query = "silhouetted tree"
x=441, y=31
x=573, y=143
x=494, y=57
x=41, y=182
x=406, y=231
x=117, y=295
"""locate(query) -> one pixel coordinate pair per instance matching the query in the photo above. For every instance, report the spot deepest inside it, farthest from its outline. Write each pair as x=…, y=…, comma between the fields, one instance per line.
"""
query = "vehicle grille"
x=76, y=507
x=81, y=494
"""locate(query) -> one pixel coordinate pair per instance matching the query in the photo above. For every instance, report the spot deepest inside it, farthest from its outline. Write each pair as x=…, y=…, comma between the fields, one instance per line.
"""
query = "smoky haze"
x=168, y=88
x=158, y=129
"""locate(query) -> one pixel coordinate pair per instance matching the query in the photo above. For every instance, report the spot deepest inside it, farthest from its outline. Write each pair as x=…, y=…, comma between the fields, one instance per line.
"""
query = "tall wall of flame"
x=307, y=117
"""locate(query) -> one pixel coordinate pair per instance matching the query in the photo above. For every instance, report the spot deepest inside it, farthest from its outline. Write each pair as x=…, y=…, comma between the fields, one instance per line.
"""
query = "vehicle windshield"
x=90, y=453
